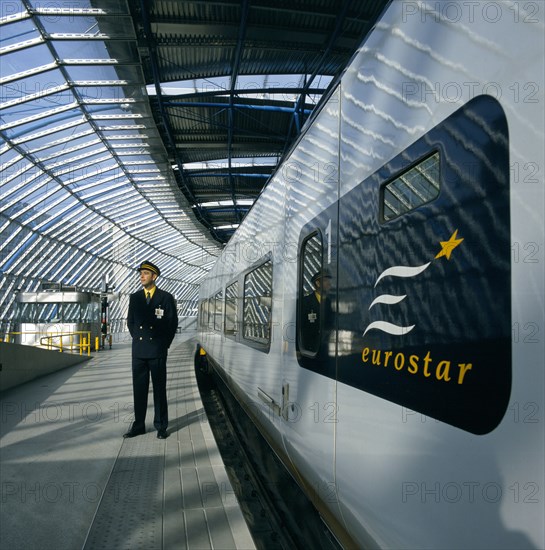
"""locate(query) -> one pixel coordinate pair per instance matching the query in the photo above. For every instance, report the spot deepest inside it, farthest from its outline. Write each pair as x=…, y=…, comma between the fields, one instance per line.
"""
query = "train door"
x=309, y=410
x=317, y=295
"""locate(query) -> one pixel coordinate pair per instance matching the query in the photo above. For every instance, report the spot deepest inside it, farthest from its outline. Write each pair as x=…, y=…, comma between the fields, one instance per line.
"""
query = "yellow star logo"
x=448, y=246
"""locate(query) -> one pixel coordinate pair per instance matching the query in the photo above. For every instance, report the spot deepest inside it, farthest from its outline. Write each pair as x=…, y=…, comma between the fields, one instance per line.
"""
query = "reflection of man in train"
x=317, y=315
x=152, y=321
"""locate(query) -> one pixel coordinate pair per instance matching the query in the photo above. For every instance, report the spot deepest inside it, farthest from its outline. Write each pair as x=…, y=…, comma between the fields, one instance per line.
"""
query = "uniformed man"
x=313, y=306
x=152, y=321
x=317, y=322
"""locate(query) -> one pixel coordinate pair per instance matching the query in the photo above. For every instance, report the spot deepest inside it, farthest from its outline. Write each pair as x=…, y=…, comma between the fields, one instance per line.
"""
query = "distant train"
x=380, y=311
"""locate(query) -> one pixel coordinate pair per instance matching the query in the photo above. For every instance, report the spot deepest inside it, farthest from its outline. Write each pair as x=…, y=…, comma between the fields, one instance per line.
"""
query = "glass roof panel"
x=193, y=86
x=88, y=50
x=66, y=152
x=245, y=85
x=21, y=62
x=48, y=121
x=238, y=162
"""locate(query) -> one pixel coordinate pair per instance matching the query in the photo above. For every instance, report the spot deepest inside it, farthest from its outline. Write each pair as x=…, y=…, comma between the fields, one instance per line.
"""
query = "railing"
x=57, y=340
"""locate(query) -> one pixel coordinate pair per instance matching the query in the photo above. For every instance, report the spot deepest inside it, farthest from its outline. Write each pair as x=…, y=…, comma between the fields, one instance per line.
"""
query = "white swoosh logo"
x=387, y=299
x=402, y=271
x=389, y=328
x=390, y=299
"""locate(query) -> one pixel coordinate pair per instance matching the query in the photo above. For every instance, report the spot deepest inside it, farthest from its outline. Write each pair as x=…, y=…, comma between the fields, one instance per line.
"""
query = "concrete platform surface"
x=70, y=481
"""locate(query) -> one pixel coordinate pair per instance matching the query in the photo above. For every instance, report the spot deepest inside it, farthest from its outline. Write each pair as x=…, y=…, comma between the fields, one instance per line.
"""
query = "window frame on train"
x=387, y=186
x=302, y=293
x=263, y=344
x=230, y=326
x=218, y=310
x=210, y=319
x=202, y=311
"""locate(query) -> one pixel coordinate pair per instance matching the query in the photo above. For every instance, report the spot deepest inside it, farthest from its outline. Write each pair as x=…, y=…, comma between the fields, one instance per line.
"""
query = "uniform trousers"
x=141, y=369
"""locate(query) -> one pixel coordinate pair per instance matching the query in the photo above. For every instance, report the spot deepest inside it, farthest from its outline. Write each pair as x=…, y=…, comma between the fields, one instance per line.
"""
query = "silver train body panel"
x=387, y=466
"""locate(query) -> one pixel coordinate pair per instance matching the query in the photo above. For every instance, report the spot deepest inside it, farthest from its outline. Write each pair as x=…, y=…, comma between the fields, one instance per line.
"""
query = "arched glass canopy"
x=86, y=189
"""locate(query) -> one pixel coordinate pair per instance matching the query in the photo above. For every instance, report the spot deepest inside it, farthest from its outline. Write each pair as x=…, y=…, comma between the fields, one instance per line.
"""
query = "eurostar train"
x=380, y=312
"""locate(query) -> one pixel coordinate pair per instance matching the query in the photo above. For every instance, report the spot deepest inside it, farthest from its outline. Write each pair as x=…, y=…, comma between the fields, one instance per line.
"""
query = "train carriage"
x=408, y=400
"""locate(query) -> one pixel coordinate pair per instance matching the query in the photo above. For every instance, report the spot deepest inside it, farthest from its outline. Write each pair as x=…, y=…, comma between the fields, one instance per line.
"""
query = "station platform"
x=70, y=481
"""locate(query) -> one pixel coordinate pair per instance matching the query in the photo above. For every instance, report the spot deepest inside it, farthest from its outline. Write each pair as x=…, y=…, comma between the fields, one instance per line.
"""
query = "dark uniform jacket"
x=317, y=321
x=152, y=326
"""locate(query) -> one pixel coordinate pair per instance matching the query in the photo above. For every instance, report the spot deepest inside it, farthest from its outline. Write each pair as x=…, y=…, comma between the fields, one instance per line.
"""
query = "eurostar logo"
x=406, y=272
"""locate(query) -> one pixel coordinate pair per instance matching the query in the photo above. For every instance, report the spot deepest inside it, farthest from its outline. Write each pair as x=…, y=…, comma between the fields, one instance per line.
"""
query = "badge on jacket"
x=159, y=312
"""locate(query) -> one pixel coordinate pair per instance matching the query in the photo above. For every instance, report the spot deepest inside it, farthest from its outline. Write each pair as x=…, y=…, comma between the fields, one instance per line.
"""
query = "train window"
x=210, y=321
x=231, y=311
x=416, y=186
x=205, y=308
x=258, y=304
x=218, y=310
x=309, y=303
x=202, y=314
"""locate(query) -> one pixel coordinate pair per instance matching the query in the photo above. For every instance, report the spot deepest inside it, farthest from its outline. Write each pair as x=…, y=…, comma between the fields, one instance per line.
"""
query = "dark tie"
x=148, y=297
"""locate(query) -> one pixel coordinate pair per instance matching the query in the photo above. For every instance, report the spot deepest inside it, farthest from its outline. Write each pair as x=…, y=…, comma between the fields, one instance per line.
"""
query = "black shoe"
x=133, y=433
x=162, y=434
